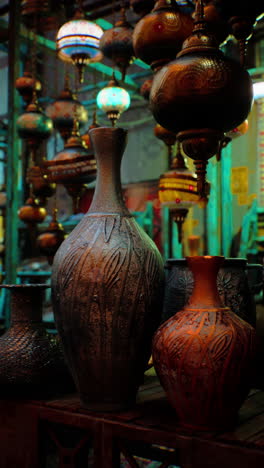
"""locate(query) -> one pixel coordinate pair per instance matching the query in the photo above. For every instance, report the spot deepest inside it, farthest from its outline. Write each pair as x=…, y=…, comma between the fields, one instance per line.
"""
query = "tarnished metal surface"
x=31, y=359
x=107, y=289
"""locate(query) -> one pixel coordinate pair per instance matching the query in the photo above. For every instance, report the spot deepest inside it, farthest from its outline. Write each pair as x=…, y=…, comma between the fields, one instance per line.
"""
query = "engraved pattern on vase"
x=204, y=365
x=204, y=355
x=109, y=289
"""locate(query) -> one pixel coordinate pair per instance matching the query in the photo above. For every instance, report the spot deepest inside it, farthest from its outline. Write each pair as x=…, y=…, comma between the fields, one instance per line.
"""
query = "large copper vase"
x=107, y=289
x=204, y=355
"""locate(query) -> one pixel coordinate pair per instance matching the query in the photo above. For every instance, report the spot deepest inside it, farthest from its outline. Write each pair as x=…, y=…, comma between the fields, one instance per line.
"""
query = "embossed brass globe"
x=63, y=111
x=26, y=85
x=159, y=35
x=116, y=44
x=201, y=95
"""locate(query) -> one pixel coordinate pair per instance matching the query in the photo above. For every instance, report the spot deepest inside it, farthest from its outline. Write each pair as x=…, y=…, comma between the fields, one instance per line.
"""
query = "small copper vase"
x=31, y=359
x=204, y=355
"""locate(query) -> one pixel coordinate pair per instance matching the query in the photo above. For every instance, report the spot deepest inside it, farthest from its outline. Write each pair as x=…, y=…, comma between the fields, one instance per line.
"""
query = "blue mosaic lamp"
x=113, y=100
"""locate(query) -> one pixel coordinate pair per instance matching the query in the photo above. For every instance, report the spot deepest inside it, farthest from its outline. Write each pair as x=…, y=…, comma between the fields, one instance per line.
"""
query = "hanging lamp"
x=201, y=95
x=159, y=35
x=44, y=13
x=113, y=100
x=64, y=109
x=178, y=190
x=26, y=85
x=73, y=167
x=50, y=240
x=33, y=125
x=116, y=43
x=32, y=212
x=241, y=17
x=78, y=41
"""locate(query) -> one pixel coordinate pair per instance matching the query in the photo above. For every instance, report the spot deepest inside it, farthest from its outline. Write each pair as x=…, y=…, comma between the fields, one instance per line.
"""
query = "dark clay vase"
x=204, y=355
x=31, y=359
x=235, y=282
x=107, y=285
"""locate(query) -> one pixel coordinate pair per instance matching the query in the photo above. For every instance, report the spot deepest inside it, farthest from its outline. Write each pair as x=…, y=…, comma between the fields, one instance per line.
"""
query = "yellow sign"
x=239, y=180
x=243, y=199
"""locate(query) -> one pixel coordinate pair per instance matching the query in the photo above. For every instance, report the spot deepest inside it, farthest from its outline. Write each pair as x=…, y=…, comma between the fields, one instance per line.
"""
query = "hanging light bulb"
x=78, y=42
x=113, y=100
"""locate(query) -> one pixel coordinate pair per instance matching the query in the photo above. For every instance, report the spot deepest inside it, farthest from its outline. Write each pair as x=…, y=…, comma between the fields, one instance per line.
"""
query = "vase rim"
x=110, y=130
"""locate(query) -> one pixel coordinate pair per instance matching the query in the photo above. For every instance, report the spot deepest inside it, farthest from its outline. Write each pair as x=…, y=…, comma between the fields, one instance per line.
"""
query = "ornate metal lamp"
x=78, y=42
x=50, y=240
x=178, y=190
x=65, y=109
x=113, y=100
x=32, y=212
x=159, y=35
x=26, y=85
x=201, y=95
x=116, y=44
x=73, y=166
x=241, y=17
x=40, y=13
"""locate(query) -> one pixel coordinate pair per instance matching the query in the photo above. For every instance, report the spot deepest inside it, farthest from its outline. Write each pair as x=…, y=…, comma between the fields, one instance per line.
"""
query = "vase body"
x=31, y=359
x=107, y=285
x=204, y=355
x=236, y=283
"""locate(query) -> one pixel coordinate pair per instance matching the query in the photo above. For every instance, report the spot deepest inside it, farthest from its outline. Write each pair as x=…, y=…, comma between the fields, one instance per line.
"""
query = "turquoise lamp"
x=113, y=100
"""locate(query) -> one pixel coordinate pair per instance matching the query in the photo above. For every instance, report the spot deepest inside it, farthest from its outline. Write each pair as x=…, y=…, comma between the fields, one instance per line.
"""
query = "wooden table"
x=58, y=433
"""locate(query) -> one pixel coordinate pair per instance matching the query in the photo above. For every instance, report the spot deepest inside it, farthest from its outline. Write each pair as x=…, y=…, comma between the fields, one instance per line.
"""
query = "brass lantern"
x=33, y=125
x=116, y=44
x=50, y=240
x=178, y=190
x=201, y=95
x=63, y=111
x=159, y=35
x=26, y=85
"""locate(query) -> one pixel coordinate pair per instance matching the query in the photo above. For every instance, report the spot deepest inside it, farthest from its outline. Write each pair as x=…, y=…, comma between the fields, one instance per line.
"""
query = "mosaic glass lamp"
x=78, y=42
x=113, y=100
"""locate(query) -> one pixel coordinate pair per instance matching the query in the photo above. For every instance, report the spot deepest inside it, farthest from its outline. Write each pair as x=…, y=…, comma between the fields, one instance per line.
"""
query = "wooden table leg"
x=106, y=451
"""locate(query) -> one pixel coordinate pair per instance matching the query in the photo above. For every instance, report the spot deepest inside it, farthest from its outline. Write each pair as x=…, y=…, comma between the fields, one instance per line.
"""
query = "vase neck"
x=205, y=293
x=109, y=145
x=26, y=304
